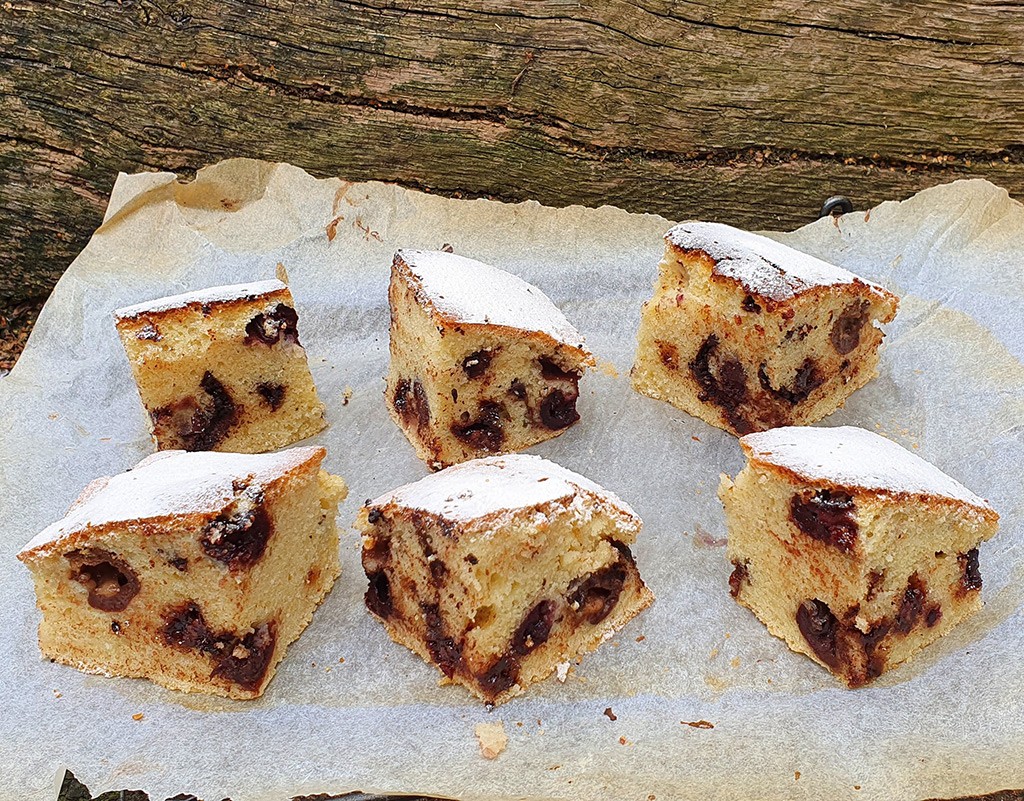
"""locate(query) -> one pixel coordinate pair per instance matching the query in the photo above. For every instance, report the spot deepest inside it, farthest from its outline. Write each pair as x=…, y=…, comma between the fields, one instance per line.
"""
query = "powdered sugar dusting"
x=470, y=291
x=764, y=267
x=854, y=457
x=172, y=483
x=211, y=295
x=482, y=487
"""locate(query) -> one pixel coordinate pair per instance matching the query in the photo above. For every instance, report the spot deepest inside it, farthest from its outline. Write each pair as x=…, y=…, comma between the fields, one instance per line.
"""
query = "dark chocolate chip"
x=933, y=615
x=280, y=323
x=820, y=628
x=419, y=395
x=373, y=517
x=723, y=381
x=669, y=354
x=444, y=650
x=111, y=583
x=246, y=663
x=455, y=395
x=115, y=626
x=239, y=539
x=594, y=596
x=558, y=410
x=149, y=332
x=846, y=330
x=472, y=559
x=552, y=372
x=476, y=364
x=535, y=628
x=499, y=677
x=402, y=397
x=750, y=305
x=486, y=432
x=874, y=582
x=912, y=605
x=739, y=577
x=198, y=425
x=971, y=578
x=185, y=627
x=272, y=394
x=806, y=380
x=178, y=563
x=378, y=595
x=517, y=389
x=438, y=572
x=826, y=516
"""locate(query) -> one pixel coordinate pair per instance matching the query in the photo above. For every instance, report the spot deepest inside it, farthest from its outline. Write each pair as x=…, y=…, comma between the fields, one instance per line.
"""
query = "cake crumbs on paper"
x=698, y=724
x=346, y=396
x=492, y=739
x=58, y=694
x=562, y=671
x=713, y=653
x=734, y=662
x=609, y=714
x=281, y=273
x=138, y=716
x=796, y=775
x=624, y=741
x=641, y=638
x=694, y=437
x=608, y=369
x=341, y=660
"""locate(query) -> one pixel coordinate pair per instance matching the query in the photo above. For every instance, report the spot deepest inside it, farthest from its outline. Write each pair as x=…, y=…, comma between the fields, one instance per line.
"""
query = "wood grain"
x=745, y=111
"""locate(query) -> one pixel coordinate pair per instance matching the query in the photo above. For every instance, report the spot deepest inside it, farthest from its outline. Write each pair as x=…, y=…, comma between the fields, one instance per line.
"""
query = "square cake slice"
x=194, y=570
x=481, y=361
x=222, y=369
x=850, y=548
x=499, y=569
x=749, y=334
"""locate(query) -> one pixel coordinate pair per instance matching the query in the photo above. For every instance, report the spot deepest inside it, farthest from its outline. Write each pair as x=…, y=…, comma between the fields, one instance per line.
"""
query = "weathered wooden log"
x=742, y=111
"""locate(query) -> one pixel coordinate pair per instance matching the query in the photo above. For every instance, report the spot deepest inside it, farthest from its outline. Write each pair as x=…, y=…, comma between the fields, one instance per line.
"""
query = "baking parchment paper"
x=349, y=709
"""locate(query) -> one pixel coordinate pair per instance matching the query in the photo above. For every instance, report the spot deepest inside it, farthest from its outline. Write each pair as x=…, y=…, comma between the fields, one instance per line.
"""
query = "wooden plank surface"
x=745, y=111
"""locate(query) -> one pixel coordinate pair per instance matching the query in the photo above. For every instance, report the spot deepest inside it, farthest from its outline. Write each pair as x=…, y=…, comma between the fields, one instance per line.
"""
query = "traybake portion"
x=749, y=334
x=222, y=369
x=481, y=361
x=500, y=569
x=850, y=548
x=194, y=570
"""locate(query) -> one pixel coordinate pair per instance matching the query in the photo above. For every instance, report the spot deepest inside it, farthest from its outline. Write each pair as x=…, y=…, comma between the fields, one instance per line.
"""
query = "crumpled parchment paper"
x=349, y=709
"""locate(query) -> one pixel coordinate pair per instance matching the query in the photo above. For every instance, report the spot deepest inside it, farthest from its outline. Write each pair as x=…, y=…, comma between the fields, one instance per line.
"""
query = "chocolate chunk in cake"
x=748, y=334
x=499, y=569
x=222, y=369
x=853, y=550
x=194, y=570
x=481, y=361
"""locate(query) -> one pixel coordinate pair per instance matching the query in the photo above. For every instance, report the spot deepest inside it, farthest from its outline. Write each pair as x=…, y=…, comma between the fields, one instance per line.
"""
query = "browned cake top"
x=853, y=457
x=217, y=294
x=170, y=483
x=763, y=266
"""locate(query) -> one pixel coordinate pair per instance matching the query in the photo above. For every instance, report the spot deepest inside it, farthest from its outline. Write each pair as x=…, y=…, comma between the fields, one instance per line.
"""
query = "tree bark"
x=742, y=111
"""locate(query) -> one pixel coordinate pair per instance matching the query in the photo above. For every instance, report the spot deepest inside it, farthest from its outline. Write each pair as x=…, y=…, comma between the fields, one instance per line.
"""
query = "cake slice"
x=749, y=334
x=499, y=569
x=222, y=369
x=850, y=548
x=194, y=570
x=481, y=361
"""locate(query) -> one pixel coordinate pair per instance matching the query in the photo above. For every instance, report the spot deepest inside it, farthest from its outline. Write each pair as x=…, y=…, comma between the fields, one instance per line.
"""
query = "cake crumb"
x=346, y=396
x=281, y=272
x=609, y=714
x=623, y=741
x=562, y=671
x=796, y=775
x=341, y=660
x=735, y=662
x=608, y=369
x=698, y=724
x=713, y=653
x=138, y=716
x=58, y=694
x=694, y=437
x=641, y=638
x=492, y=739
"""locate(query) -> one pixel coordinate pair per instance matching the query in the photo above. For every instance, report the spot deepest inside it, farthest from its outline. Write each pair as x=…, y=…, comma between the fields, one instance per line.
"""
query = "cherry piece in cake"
x=481, y=361
x=194, y=570
x=853, y=550
x=222, y=369
x=499, y=569
x=749, y=334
